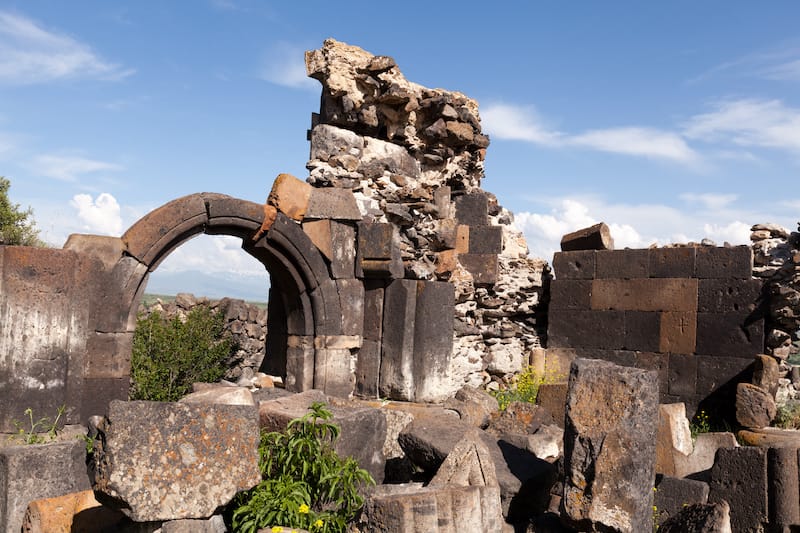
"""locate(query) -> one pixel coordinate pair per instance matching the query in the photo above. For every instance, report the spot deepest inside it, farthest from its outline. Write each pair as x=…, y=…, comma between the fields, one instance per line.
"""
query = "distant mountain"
x=213, y=285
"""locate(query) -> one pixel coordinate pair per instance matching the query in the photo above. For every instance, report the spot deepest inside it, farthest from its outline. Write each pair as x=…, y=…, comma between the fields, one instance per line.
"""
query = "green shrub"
x=169, y=355
x=306, y=484
x=525, y=389
x=788, y=416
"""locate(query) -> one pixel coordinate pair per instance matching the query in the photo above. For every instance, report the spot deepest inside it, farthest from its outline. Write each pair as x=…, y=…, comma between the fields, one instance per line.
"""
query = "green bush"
x=788, y=416
x=306, y=484
x=169, y=355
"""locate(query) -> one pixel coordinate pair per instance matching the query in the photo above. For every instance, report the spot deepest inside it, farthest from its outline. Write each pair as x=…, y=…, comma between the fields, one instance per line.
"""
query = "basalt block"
x=728, y=295
x=570, y=294
x=472, y=209
x=718, y=262
x=168, y=461
x=672, y=262
x=610, y=446
x=586, y=329
x=735, y=468
x=575, y=265
x=738, y=334
x=332, y=203
x=623, y=264
x=485, y=240
x=597, y=237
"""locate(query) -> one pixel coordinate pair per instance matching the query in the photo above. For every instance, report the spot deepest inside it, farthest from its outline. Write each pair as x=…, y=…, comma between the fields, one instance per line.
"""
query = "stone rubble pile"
x=247, y=324
x=413, y=157
x=776, y=254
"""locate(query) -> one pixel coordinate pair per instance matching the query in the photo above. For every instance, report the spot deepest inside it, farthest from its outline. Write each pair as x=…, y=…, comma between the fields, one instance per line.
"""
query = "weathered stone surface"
x=700, y=518
x=755, y=407
x=703, y=453
x=167, y=461
x=332, y=203
x=674, y=438
x=520, y=418
x=474, y=406
x=729, y=334
x=575, y=265
x=429, y=439
x=766, y=373
x=221, y=395
x=678, y=332
x=467, y=464
x=645, y=294
x=570, y=294
x=717, y=262
x=673, y=494
x=290, y=196
x=733, y=469
x=215, y=524
x=73, y=513
x=553, y=397
x=672, y=262
x=597, y=237
x=581, y=329
x=35, y=472
x=784, y=487
x=547, y=443
x=483, y=267
x=485, y=240
x=472, y=209
x=609, y=445
x=622, y=264
x=728, y=295
x=769, y=437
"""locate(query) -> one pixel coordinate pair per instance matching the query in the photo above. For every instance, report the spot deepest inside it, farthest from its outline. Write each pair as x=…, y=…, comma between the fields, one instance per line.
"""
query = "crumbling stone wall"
x=413, y=158
x=691, y=313
x=246, y=323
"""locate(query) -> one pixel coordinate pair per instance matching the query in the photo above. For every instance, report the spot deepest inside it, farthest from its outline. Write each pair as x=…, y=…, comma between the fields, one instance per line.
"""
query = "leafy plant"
x=306, y=484
x=38, y=431
x=700, y=424
x=525, y=388
x=16, y=225
x=788, y=416
x=169, y=355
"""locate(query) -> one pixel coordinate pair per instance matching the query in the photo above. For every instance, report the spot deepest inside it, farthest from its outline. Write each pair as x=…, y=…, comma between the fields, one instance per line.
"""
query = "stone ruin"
x=399, y=290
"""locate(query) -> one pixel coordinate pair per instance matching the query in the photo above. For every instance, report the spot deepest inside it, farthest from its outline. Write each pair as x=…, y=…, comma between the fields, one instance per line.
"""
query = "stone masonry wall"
x=691, y=313
x=247, y=324
x=413, y=158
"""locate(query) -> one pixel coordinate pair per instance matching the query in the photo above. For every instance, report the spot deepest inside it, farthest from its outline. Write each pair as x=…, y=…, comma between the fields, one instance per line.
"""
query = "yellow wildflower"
x=276, y=529
x=318, y=523
x=303, y=509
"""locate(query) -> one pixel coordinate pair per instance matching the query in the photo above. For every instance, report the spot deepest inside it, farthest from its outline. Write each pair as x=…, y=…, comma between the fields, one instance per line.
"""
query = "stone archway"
x=304, y=302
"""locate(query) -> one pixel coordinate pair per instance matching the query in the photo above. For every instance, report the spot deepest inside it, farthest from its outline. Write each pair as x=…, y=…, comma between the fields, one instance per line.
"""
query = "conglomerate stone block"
x=167, y=461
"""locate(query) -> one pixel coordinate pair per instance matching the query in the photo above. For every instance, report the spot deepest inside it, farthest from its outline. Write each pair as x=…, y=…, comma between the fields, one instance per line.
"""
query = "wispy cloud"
x=638, y=141
x=710, y=200
x=69, y=168
x=780, y=63
x=99, y=216
x=31, y=54
x=750, y=122
x=283, y=64
x=523, y=123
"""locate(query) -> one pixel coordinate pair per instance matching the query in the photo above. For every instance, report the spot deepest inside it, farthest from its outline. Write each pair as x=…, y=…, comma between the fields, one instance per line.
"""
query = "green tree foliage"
x=306, y=484
x=17, y=226
x=169, y=355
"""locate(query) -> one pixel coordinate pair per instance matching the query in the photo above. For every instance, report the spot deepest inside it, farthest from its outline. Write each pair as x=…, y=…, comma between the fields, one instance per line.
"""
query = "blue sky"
x=670, y=121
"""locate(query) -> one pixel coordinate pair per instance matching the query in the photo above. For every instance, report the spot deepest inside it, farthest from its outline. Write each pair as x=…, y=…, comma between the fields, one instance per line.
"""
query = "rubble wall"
x=692, y=313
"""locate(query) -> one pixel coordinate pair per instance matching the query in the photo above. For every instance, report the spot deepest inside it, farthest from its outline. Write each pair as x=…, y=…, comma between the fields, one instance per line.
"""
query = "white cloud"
x=637, y=141
x=30, y=54
x=283, y=64
x=749, y=123
x=517, y=123
x=710, y=200
x=523, y=123
x=69, y=168
x=212, y=254
x=638, y=225
x=99, y=216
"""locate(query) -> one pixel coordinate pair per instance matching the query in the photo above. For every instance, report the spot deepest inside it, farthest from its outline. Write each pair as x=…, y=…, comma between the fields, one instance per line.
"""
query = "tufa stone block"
x=678, y=332
x=672, y=262
x=645, y=294
x=717, y=262
x=290, y=196
x=575, y=265
x=472, y=209
x=734, y=468
x=167, y=461
x=332, y=203
x=674, y=438
x=610, y=446
x=597, y=237
x=623, y=264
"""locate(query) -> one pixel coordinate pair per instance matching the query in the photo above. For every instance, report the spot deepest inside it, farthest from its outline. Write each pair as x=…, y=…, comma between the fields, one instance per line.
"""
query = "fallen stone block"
x=290, y=196
x=674, y=441
x=597, y=237
x=703, y=453
x=429, y=439
x=769, y=437
x=157, y=461
x=547, y=443
x=468, y=464
x=735, y=468
x=215, y=524
x=521, y=418
x=58, y=468
x=610, y=445
x=755, y=407
x=766, y=373
x=700, y=518
x=223, y=395
x=673, y=494
x=77, y=512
